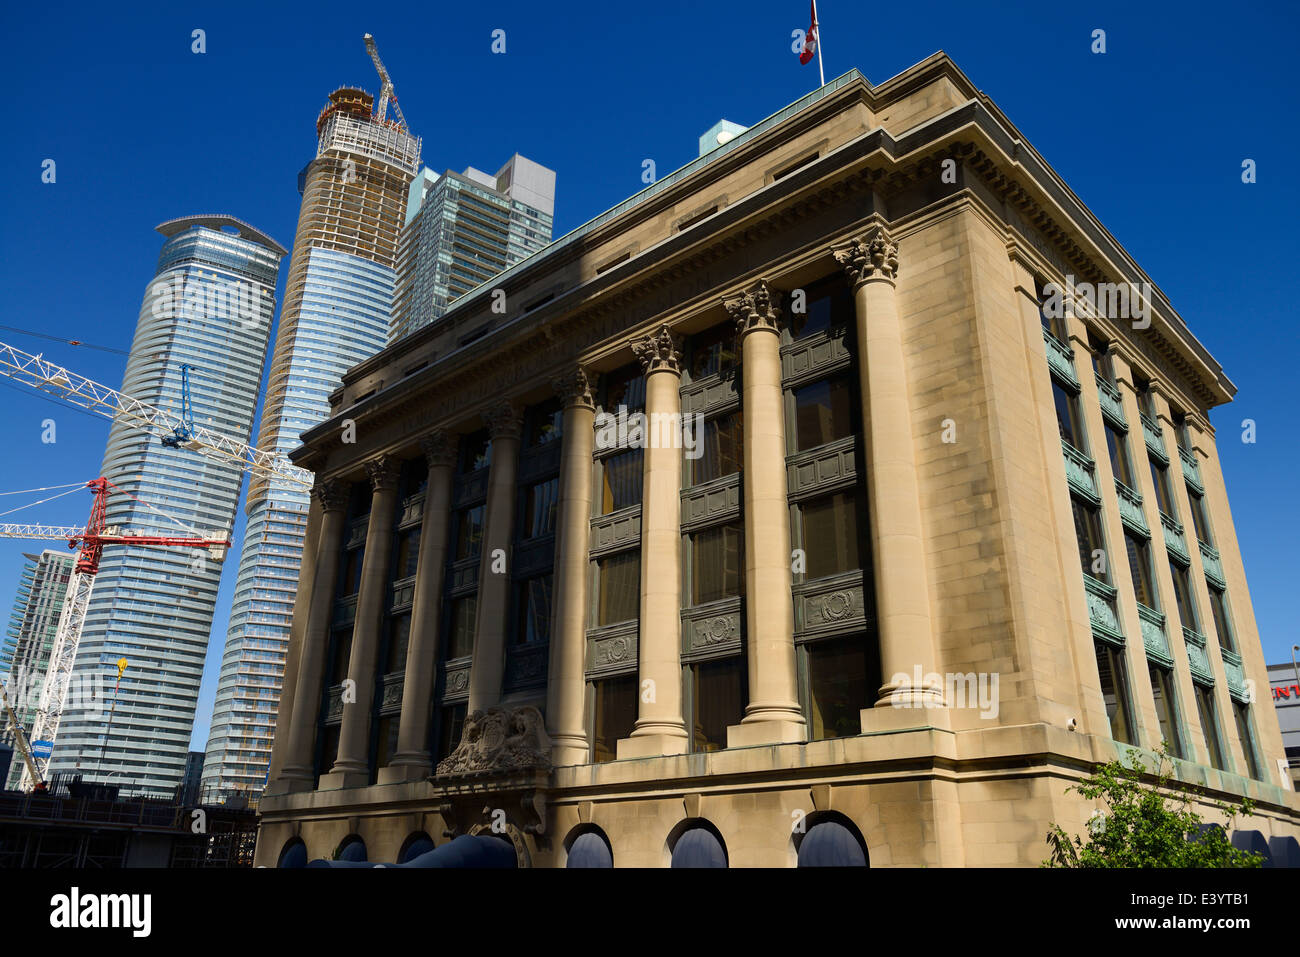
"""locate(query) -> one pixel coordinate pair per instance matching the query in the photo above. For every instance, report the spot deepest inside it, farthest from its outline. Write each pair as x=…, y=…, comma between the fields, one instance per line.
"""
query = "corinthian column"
x=488, y=667
x=566, y=688
x=772, y=715
x=352, y=768
x=907, y=654
x=299, y=772
x=659, y=726
x=411, y=762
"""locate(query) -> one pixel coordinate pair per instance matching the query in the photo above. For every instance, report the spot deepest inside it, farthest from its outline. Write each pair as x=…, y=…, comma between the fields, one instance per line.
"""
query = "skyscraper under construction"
x=336, y=313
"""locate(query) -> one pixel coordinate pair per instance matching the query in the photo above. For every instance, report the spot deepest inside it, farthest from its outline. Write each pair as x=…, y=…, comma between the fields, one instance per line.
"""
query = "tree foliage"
x=1147, y=824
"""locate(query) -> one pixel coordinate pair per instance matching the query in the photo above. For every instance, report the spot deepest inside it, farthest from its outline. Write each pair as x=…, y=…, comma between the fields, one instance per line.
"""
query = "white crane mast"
x=47, y=377
x=386, y=90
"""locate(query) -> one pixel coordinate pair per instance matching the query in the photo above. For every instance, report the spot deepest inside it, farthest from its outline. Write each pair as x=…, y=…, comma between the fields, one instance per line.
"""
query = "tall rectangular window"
x=613, y=715
x=618, y=588
x=1087, y=530
x=1222, y=623
x=408, y=553
x=1200, y=517
x=398, y=639
x=1114, y=690
x=1117, y=446
x=1242, y=716
x=1068, y=420
x=1183, y=596
x=1209, y=723
x=830, y=305
x=719, y=695
x=541, y=503
x=544, y=423
x=721, y=448
x=830, y=535
x=838, y=679
x=713, y=351
x=1139, y=566
x=717, y=564
x=350, y=576
x=1101, y=363
x=469, y=532
x=451, y=721
x=475, y=451
x=460, y=643
x=1162, y=687
x=624, y=388
x=621, y=478
x=533, y=610
x=1164, y=494
x=823, y=411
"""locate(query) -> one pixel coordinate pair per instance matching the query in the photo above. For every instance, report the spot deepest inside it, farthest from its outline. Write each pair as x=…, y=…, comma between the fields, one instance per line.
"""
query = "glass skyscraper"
x=336, y=313
x=209, y=307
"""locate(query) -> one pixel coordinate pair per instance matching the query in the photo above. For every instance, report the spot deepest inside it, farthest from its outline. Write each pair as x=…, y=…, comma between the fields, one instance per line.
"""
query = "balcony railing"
x=1060, y=358
x=1235, y=672
x=1198, y=659
x=1102, y=611
x=1175, y=540
x=1212, y=565
x=1081, y=472
x=1111, y=404
x=1153, y=635
x=1130, y=508
x=1154, y=438
x=1191, y=469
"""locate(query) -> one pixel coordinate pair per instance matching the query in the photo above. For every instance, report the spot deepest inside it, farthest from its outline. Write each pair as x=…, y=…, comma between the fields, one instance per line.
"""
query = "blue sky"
x=1151, y=135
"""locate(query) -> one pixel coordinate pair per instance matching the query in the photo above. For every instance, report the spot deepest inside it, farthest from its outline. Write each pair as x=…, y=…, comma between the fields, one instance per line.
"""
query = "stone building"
x=896, y=554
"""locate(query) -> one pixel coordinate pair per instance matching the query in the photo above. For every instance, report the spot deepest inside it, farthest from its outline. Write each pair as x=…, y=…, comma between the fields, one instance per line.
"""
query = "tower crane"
x=45, y=376
x=90, y=541
x=386, y=91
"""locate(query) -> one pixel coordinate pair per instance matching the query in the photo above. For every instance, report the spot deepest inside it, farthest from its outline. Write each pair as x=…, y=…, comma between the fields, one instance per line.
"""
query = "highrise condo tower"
x=209, y=307
x=336, y=313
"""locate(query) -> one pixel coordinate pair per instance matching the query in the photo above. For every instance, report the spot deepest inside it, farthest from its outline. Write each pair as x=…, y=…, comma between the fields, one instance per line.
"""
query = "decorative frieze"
x=1154, y=438
x=1111, y=404
x=1191, y=470
x=1102, y=611
x=830, y=606
x=1081, y=473
x=1212, y=565
x=822, y=468
x=1198, y=659
x=1060, y=359
x=609, y=532
x=613, y=649
x=500, y=741
x=1154, y=638
x=1235, y=673
x=711, y=502
x=1130, y=508
x=1174, y=539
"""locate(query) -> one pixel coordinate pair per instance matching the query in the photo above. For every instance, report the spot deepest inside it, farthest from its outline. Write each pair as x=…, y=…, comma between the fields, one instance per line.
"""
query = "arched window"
x=698, y=844
x=831, y=840
x=352, y=848
x=589, y=847
x=415, y=845
x=293, y=854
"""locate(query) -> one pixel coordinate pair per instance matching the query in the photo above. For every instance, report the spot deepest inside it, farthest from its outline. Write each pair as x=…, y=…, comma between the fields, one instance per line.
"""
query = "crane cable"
x=46, y=488
x=44, y=500
x=175, y=521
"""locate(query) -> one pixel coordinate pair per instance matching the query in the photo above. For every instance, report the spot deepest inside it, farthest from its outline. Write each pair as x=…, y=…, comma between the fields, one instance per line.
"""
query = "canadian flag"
x=810, y=38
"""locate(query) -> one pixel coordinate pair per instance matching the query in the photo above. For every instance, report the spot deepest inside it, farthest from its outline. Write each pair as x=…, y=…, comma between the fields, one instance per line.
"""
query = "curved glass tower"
x=337, y=306
x=209, y=306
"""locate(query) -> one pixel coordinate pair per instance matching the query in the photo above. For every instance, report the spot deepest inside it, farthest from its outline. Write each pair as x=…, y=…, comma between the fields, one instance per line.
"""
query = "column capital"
x=505, y=420
x=871, y=256
x=661, y=351
x=755, y=308
x=383, y=472
x=439, y=448
x=332, y=494
x=575, y=389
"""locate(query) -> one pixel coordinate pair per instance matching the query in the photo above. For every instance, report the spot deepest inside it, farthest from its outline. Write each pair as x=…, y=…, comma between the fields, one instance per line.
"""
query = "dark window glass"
x=721, y=448
x=415, y=476
x=625, y=388
x=1052, y=322
x=713, y=351
x=533, y=611
x=1242, y=716
x=838, y=687
x=451, y=722
x=1117, y=446
x=359, y=503
x=1114, y=690
x=1162, y=687
x=1183, y=596
x=1200, y=519
x=408, y=553
x=469, y=532
x=614, y=715
x=342, y=654
x=386, y=745
x=830, y=535
x=1139, y=566
x=541, y=502
x=621, y=477
x=717, y=564
x=1146, y=401
x=720, y=693
x=829, y=306
x=618, y=587
x=545, y=423
x=350, y=577
x=1164, y=495
x=1101, y=363
x=823, y=411
x=399, y=637
x=475, y=451
x=1067, y=415
x=329, y=748
x=1087, y=530
x=461, y=643
x=1209, y=724
x=1222, y=624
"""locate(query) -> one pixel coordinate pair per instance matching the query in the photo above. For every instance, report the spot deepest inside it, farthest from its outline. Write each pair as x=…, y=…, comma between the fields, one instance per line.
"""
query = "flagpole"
x=821, y=73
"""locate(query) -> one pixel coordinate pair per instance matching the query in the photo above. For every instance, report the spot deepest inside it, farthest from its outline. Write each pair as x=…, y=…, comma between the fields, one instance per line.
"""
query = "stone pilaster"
x=772, y=714
x=352, y=767
x=412, y=761
x=504, y=423
x=659, y=726
x=566, y=686
x=299, y=772
x=898, y=544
